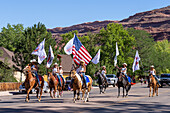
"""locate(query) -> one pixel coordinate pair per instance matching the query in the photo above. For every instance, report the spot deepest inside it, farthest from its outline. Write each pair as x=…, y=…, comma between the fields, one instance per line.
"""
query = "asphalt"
x=138, y=101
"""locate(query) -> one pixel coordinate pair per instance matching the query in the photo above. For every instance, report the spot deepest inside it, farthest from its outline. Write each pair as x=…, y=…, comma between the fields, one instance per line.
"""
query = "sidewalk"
x=7, y=93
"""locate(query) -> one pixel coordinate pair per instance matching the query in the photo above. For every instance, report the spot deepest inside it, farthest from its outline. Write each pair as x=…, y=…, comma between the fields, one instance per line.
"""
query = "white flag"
x=96, y=59
x=40, y=52
x=117, y=53
x=50, y=57
x=68, y=47
x=136, y=62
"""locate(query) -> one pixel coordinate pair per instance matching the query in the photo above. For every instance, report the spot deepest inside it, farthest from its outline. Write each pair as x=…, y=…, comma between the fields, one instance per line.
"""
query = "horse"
x=77, y=86
x=102, y=83
x=122, y=82
x=153, y=85
x=54, y=84
x=31, y=82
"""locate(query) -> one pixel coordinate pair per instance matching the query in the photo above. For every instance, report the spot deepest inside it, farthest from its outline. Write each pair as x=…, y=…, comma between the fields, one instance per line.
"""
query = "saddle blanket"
x=39, y=76
x=87, y=79
x=129, y=79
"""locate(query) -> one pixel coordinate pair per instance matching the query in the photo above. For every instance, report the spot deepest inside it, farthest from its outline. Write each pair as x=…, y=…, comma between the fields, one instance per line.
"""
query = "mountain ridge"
x=156, y=22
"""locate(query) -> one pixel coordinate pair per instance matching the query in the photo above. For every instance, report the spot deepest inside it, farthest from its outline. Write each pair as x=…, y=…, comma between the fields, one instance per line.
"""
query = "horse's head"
x=27, y=68
x=97, y=73
x=73, y=73
x=120, y=77
x=50, y=74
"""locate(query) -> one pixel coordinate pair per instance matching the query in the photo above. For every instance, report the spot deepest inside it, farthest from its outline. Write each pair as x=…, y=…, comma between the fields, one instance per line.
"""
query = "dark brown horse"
x=54, y=84
x=122, y=82
x=153, y=85
x=102, y=83
x=32, y=82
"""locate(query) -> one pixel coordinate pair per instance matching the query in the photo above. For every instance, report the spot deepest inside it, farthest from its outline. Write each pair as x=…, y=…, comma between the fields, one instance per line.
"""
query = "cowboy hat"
x=125, y=64
x=103, y=66
x=82, y=61
x=61, y=66
x=55, y=64
x=33, y=60
x=152, y=66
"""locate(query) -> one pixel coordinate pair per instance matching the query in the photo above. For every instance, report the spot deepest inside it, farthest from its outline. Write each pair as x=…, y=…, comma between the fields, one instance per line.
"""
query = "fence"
x=5, y=86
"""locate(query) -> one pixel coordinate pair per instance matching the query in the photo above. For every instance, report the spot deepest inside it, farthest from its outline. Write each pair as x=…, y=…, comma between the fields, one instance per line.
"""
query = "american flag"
x=79, y=52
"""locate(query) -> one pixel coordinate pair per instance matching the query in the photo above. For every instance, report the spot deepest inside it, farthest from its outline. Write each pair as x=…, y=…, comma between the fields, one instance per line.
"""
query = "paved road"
x=137, y=102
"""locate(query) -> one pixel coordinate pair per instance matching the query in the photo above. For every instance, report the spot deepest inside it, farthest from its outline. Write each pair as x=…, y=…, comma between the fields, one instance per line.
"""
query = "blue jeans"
x=84, y=77
x=62, y=78
x=58, y=76
x=36, y=74
x=127, y=78
x=156, y=78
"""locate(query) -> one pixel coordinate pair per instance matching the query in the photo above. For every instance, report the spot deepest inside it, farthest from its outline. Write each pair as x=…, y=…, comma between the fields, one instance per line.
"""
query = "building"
x=66, y=62
x=6, y=54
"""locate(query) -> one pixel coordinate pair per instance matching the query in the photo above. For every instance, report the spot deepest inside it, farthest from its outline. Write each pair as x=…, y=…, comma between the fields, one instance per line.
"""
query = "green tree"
x=10, y=36
x=144, y=43
x=6, y=73
x=108, y=37
x=161, y=56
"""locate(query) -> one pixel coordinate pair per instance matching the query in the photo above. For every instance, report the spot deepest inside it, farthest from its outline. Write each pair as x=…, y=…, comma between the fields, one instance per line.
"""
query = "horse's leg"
x=153, y=93
x=74, y=98
x=28, y=91
x=78, y=94
x=105, y=88
x=40, y=93
x=54, y=92
x=100, y=86
x=150, y=88
x=37, y=92
x=157, y=90
x=118, y=92
x=87, y=94
x=123, y=91
x=51, y=92
x=127, y=87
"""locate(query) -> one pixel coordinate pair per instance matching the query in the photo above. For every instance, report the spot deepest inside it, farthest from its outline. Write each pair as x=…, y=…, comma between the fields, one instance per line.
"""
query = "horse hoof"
x=117, y=96
x=39, y=100
x=87, y=100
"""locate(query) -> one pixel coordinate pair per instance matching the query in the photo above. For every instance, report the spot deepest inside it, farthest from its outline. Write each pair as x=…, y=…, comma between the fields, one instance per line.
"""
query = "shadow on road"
x=111, y=107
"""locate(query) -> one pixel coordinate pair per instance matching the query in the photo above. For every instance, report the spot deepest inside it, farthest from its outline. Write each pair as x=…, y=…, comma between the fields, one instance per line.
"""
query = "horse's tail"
x=129, y=86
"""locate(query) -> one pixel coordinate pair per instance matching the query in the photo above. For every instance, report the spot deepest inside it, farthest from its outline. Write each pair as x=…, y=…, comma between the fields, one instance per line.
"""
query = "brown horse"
x=77, y=87
x=31, y=82
x=153, y=85
x=54, y=84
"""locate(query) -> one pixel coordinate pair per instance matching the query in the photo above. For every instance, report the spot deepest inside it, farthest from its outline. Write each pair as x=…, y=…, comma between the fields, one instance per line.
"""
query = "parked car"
x=45, y=88
x=111, y=79
x=165, y=78
x=68, y=81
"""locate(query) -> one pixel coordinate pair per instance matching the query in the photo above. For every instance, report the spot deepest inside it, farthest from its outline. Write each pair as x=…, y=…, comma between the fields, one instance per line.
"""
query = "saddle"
x=34, y=76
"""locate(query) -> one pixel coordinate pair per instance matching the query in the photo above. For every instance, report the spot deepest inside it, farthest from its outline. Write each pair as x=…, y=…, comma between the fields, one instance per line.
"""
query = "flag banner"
x=68, y=47
x=50, y=57
x=40, y=52
x=96, y=59
x=117, y=53
x=136, y=62
x=79, y=52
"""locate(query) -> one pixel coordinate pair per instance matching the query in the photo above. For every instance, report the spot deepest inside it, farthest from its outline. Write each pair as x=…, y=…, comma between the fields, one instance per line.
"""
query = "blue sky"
x=62, y=13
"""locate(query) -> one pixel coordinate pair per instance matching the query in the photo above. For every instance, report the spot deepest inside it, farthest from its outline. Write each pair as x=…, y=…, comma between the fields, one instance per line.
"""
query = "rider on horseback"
x=55, y=72
x=153, y=72
x=61, y=73
x=124, y=71
x=81, y=69
x=34, y=70
x=103, y=72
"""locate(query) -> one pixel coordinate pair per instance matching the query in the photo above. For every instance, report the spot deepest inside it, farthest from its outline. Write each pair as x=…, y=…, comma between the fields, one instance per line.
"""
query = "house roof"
x=7, y=54
x=66, y=62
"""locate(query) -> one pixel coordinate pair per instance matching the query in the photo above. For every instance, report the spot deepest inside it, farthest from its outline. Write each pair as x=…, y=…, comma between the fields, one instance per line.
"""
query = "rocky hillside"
x=156, y=22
